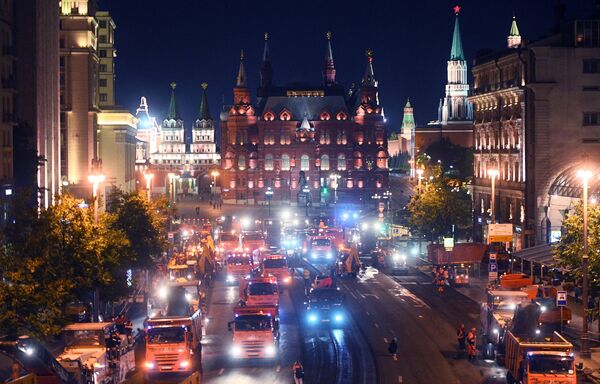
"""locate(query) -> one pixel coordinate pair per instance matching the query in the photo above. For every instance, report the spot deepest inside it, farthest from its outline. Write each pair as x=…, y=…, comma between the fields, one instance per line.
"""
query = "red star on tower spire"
x=456, y=9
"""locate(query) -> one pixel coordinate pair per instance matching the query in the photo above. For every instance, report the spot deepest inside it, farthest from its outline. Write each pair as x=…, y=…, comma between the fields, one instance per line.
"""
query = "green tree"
x=569, y=250
x=441, y=203
x=65, y=256
x=144, y=224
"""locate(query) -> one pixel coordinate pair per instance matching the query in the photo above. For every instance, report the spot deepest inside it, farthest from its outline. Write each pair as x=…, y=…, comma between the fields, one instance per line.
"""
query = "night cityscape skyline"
x=409, y=55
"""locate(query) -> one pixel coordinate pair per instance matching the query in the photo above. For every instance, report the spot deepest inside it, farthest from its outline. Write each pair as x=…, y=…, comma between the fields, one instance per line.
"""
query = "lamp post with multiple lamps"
x=95, y=178
x=493, y=174
x=585, y=176
x=148, y=177
x=172, y=187
x=334, y=177
x=269, y=196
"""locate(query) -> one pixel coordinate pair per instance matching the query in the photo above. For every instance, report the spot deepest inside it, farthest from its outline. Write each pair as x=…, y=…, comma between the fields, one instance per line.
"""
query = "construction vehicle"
x=94, y=353
x=228, y=243
x=515, y=281
x=497, y=314
x=531, y=357
x=276, y=265
x=173, y=346
x=326, y=305
x=252, y=241
x=179, y=269
x=255, y=333
x=348, y=261
x=259, y=291
x=459, y=275
x=238, y=267
x=321, y=249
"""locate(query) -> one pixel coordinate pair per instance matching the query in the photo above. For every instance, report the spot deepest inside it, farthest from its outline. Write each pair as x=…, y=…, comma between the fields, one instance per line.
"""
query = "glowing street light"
x=148, y=177
x=334, y=177
x=269, y=196
x=96, y=178
x=214, y=174
x=420, y=176
x=493, y=173
x=585, y=175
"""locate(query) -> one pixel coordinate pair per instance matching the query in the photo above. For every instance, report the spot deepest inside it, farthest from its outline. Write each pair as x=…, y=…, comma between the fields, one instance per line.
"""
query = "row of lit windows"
x=486, y=139
x=509, y=171
x=278, y=182
x=287, y=116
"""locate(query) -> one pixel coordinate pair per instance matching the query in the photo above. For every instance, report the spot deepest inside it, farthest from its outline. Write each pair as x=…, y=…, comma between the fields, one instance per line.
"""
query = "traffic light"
x=324, y=191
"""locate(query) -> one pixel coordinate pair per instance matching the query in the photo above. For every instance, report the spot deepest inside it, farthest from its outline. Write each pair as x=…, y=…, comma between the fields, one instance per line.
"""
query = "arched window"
x=269, y=116
x=285, y=162
x=304, y=163
x=324, y=163
x=241, y=162
x=268, y=162
x=341, y=162
x=358, y=161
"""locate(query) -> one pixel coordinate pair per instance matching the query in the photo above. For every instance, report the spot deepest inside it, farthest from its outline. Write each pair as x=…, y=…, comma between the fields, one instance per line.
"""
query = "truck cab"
x=498, y=312
x=239, y=266
x=260, y=291
x=252, y=241
x=173, y=345
x=255, y=333
x=276, y=265
x=228, y=243
x=322, y=249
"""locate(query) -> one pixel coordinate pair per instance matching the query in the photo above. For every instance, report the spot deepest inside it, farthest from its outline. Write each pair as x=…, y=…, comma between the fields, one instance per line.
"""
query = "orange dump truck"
x=276, y=265
x=173, y=346
x=461, y=253
x=238, y=267
x=255, y=333
x=539, y=360
x=259, y=291
x=514, y=281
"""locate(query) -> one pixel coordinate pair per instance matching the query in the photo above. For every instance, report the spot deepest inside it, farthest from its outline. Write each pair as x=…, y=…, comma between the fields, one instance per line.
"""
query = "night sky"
x=192, y=41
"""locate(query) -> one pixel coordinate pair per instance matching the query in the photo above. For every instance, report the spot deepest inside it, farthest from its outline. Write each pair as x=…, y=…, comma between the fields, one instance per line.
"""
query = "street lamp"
x=420, y=175
x=585, y=175
x=269, y=196
x=214, y=174
x=96, y=178
x=388, y=195
x=172, y=187
x=493, y=174
x=148, y=177
x=334, y=177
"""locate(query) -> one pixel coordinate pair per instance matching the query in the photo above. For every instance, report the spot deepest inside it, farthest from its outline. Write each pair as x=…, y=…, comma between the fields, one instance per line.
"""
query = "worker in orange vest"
x=472, y=344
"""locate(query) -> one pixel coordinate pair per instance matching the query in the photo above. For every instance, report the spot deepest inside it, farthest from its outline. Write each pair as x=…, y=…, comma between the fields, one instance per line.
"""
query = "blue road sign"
x=493, y=267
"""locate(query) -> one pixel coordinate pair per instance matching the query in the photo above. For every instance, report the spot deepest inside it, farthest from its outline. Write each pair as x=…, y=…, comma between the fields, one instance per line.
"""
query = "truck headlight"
x=495, y=330
x=338, y=317
x=236, y=351
x=329, y=255
x=149, y=364
x=184, y=364
x=312, y=317
x=287, y=279
x=229, y=278
x=188, y=297
x=314, y=255
x=270, y=351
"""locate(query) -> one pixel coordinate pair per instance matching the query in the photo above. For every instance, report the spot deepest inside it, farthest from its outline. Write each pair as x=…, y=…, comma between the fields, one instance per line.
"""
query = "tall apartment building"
x=537, y=121
x=79, y=97
x=7, y=92
x=106, y=57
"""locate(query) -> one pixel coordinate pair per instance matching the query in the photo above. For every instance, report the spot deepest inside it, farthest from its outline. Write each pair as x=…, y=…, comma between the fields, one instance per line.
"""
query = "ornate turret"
x=173, y=113
x=204, y=113
x=241, y=76
x=455, y=106
x=266, y=71
x=369, y=77
x=241, y=93
x=514, y=37
x=329, y=68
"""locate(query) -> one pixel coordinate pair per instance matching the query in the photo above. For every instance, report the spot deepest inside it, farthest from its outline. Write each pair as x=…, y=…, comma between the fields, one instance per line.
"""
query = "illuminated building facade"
x=295, y=139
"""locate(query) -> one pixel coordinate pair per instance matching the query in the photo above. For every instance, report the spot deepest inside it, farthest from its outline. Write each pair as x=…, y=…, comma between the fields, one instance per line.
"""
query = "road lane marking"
x=395, y=358
x=352, y=294
x=376, y=325
x=278, y=368
x=385, y=340
x=221, y=371
x=400, y=379
x=368, y=314
x=421, y=316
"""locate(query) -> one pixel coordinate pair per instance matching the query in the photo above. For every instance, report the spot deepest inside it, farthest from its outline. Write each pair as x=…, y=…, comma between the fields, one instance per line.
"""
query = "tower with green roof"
x=514, y=36
x=172, y=138
x=203, y=131
x=455, y=108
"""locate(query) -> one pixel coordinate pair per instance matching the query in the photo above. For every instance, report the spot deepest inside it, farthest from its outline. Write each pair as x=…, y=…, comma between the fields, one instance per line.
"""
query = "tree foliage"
x=455, y=161
x=442, y=202
x=568, y=252
x=60, y=255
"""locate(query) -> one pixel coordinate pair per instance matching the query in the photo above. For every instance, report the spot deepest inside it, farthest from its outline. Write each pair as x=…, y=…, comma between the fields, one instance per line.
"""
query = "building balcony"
x=8, y=83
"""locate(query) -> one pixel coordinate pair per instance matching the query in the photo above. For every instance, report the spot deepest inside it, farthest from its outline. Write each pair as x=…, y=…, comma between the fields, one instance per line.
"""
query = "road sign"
x=493, y=256
x=492, y=270
x=561, y=298
x=500, y=233
x=449, y=243
x=171, y=235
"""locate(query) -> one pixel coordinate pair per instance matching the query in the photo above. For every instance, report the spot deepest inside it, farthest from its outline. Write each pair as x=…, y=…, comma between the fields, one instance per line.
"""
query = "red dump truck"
x=461, y=253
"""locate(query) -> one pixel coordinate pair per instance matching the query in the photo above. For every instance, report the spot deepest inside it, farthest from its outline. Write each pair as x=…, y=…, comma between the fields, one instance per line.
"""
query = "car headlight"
x=184, y=364
x=270, y=351
x=149, y=364
x=236, y=351
x=229, y=278
x=338, y=317
x=495, y=331
x=329, y=255
x=313, y=318
x=314, y=255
